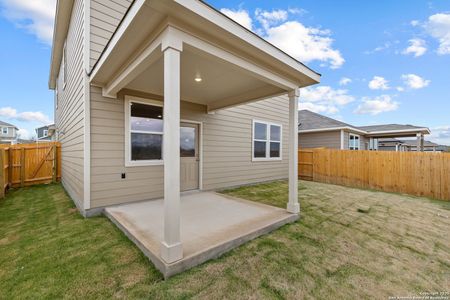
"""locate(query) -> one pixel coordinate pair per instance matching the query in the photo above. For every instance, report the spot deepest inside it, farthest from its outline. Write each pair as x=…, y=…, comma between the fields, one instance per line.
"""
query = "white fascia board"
x=333, y=129
x=419, y=130
x=62, y=22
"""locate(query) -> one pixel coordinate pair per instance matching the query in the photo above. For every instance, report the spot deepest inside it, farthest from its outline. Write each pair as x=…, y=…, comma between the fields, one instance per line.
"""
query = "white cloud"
x=24, y=134
x=33, y=116
x=438, y=26
x=318, y=108
x=377, y=105
x=378, y=83
x=324, y=99
x=415, y=23
x=400, y=88
x=414, y=81
x=441, y=135
x=383, y=47
x=268, y=18
x=241, y=16
x=344, y=81
x=8, y=112
x=417, y=47
x=303, y=43
x=36, y=16
x=27, y=116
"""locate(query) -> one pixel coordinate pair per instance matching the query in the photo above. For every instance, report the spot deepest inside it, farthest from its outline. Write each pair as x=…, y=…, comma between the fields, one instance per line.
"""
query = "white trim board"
x=267, y=141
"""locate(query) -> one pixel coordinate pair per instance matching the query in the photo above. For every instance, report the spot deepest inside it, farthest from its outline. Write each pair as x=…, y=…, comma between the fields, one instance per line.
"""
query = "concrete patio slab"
x=211, y=224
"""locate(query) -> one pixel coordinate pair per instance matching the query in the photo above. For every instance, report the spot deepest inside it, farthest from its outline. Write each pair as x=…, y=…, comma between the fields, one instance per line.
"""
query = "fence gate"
x=29, y=164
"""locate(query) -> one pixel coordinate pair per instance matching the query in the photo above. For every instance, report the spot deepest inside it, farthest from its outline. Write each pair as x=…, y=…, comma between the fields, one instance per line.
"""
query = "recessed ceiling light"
x=198, y=79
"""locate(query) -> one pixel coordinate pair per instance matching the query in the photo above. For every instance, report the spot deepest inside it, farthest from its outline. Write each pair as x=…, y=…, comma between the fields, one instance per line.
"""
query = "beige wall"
x=105, y=17
x=69, y=114
x=227, y=144
x=328, y=139
x=11, y=132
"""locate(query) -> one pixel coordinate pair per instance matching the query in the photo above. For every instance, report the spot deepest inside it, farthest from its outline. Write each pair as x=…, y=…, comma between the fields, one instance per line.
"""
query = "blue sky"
x=382, y=61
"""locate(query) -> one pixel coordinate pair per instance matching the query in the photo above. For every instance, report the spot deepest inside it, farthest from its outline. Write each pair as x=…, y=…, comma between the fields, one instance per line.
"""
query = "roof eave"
x=210, y=14
x=62, y=21
x=332, y=129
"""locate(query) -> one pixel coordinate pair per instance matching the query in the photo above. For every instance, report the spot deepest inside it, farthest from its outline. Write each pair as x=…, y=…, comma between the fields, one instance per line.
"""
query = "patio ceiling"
x=220, y=82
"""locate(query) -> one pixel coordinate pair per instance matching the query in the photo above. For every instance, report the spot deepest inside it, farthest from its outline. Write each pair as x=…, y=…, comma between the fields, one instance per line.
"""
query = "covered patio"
x=176, y=51
x=210, y=225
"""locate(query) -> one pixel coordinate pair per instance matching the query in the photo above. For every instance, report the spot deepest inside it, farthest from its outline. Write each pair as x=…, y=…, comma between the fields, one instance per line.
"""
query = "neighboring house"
x=316, y=131
x=43, y=133
x=8, y=133
x=406, y=145
x=133, y=78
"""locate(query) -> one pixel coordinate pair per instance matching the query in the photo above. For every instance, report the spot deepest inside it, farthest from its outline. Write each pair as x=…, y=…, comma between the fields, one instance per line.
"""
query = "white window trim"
x=359, y=141
x=7, y=130
x=128, y=161
x=267, y=141
x=45, y=133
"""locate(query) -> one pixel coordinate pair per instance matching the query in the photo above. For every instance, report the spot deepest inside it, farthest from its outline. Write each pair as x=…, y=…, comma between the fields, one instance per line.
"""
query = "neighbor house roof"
x=7, y=124
x=389, y=127
x=414, y=143
x=311, y=121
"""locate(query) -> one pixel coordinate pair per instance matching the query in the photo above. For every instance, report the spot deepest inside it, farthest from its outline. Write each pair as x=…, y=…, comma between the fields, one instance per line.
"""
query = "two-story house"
x=43, y=133
x=155, y=98
x=8, y=133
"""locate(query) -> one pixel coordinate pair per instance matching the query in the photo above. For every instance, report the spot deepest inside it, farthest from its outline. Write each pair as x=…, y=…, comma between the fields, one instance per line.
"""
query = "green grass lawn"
x=397, y=246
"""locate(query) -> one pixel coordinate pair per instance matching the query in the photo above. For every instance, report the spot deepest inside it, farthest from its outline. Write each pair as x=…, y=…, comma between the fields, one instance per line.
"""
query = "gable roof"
x=310, y=120
x=313, y=122
x=7, y=124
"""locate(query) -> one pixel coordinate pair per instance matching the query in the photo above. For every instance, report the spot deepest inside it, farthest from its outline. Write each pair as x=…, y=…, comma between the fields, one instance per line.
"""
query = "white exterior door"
x=189, y=156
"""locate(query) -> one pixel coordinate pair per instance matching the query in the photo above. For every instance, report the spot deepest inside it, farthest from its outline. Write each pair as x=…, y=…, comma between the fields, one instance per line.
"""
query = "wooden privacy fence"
x=29, y=164
x=415, y=173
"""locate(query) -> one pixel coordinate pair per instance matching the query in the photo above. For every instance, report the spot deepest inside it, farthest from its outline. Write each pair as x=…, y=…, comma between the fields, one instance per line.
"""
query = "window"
x=144, y=133
x=45, y=133
x=4, y=130
x=353, y=142
x=266, y=141
x=373, y=144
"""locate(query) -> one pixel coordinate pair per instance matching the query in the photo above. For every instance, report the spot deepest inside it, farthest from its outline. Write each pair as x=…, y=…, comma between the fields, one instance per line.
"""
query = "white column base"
x=171, y=253
x=293, y=208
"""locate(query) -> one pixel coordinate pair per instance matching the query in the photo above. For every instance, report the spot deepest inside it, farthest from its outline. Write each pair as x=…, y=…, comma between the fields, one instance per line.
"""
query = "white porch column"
x=171, y=247
x=293, y=206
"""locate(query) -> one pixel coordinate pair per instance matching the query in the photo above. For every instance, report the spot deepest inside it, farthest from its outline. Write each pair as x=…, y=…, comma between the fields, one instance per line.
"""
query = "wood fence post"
x=22, y=166
x=2, y=173
x=55, y=163
x=10, y=167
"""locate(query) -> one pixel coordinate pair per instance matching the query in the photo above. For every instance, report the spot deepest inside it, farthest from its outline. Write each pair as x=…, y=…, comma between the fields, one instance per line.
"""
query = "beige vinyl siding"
x=105, y=17
x=227, y=150
x=11, y=132
x=327, y=139
x=69, y=115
